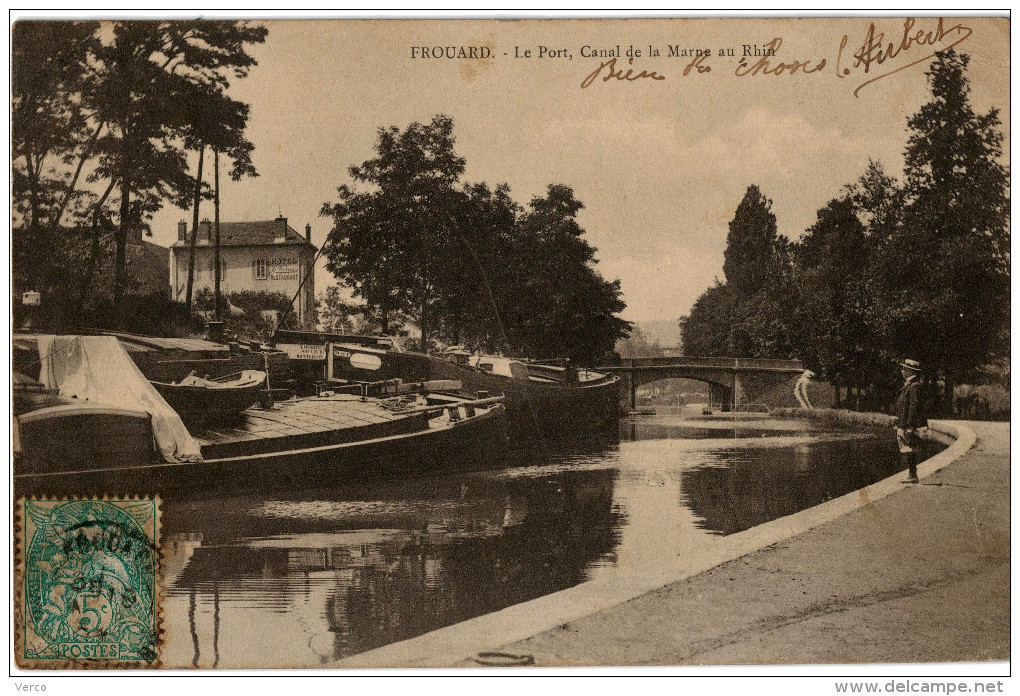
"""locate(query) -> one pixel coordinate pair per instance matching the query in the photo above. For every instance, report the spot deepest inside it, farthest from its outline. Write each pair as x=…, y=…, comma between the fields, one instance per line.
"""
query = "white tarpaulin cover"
x=98, y=369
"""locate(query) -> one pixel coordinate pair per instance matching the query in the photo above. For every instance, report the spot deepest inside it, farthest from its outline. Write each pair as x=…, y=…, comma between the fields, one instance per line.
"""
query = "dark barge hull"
x=477, y=442
x=539, y=409
x=536, y=408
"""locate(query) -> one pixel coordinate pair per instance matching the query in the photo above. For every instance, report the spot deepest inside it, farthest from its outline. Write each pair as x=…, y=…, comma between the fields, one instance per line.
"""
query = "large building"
x=263, y=256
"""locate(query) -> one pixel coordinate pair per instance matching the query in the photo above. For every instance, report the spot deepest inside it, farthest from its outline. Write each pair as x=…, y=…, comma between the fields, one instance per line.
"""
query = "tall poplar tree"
x=946, y=268
x=753, y=256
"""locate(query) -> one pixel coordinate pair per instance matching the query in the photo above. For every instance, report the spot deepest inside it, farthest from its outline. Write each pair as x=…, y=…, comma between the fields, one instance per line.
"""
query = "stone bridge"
x=734, y=383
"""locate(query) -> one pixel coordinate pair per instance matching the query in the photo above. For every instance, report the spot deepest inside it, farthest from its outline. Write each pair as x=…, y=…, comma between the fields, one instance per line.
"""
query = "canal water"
x=306, y=578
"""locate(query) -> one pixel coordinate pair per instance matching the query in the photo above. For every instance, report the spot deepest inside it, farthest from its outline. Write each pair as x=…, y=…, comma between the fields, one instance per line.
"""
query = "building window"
x=259, y=266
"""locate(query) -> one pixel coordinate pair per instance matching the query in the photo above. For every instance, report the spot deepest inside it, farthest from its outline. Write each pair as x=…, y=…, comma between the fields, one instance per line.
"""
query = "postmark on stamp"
x=87, y=589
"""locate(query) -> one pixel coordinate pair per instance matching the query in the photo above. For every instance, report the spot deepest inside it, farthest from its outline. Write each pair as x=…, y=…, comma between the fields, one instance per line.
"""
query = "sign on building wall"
x=283, y=268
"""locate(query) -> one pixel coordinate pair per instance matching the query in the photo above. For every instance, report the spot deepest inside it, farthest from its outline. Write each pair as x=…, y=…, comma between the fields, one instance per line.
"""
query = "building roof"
x=253, y=233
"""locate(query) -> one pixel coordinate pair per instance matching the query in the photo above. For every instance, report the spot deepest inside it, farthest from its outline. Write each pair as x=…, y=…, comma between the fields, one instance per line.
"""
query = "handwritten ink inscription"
x=608, y=71
x=874, y=49
x=872, y=54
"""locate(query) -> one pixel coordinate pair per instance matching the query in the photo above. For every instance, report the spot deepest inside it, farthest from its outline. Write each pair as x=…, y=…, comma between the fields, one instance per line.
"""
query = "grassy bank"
x=851, y=419
x=833, y=416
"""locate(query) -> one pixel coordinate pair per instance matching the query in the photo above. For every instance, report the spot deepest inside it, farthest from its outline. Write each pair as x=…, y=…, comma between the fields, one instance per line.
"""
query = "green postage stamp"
x=87, y=590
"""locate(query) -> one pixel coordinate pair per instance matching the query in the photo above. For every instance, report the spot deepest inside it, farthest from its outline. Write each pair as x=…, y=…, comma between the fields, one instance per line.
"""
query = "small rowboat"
x=195, y=398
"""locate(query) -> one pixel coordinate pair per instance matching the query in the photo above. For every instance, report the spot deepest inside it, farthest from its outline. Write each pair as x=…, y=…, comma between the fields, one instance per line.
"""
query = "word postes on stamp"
x=87, y=588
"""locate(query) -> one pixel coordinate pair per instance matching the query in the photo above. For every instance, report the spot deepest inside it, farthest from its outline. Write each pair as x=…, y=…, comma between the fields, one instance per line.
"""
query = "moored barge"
x=543, y=401
x=116, y=436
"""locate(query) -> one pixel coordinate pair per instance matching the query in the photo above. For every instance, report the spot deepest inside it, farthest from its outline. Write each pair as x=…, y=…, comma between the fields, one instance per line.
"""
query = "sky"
x=660, y=164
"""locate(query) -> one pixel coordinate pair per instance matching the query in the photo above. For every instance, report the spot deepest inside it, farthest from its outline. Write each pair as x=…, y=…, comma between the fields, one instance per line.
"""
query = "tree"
x=478, y=290
x=878, y=200
x=749, y=315
x=150, y=72
x=334, y=313
x=637, y=345
x=887, y=271
x=708, y=329
x=250, y=322
x=561, y=306
x=364, y=253
x=753, y=256
x=213, y=120
x=387, y=243
x=834, y=333
x=112, y=111
x=946, y=268
x=50, y=128
x=759, y=274
x=464, y=261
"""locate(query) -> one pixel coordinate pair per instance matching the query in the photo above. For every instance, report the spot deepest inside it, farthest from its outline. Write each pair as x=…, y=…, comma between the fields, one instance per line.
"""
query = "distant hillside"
x=664, y=331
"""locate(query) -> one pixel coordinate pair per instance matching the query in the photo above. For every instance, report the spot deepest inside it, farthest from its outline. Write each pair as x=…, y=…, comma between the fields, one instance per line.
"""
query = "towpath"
x=919, y=576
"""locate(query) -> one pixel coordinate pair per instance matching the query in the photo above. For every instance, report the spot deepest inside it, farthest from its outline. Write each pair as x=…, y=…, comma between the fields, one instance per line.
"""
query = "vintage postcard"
x=474, y=343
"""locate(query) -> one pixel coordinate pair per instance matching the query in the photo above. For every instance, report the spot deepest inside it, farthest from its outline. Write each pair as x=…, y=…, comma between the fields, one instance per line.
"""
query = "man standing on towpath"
x=910, y=417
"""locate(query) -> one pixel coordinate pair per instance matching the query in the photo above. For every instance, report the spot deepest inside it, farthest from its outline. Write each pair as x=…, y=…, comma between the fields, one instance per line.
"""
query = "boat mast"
x=216, y=248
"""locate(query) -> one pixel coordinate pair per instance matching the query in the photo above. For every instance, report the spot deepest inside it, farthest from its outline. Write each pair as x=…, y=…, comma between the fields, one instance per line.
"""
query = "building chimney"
x=205, y=231
x=182, y=231
x=308, y=233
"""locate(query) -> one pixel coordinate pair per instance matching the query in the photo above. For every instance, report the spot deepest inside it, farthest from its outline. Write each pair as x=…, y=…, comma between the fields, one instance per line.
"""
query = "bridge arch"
x=720, y=387
x=738, y=381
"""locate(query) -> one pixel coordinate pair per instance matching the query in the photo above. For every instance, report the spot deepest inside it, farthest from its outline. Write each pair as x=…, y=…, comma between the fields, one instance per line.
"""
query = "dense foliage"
x=889, y=270
x=103, y=117
x=465, y=262
x=252, y=314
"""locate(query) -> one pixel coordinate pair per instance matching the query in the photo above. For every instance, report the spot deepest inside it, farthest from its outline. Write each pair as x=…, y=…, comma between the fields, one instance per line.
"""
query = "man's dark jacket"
x=910, y=406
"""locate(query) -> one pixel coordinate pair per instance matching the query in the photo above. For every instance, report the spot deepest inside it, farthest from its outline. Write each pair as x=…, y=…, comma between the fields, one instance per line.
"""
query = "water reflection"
x=313, y=576
x=692, y=428
x=340, y=575
x=757, y=485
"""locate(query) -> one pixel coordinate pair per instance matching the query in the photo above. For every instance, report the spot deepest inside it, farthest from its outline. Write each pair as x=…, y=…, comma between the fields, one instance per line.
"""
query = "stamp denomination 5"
x=87, y=583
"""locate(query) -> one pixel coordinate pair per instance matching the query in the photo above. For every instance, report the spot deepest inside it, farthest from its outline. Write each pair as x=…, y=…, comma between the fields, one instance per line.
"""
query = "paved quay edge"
x=453, y=645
